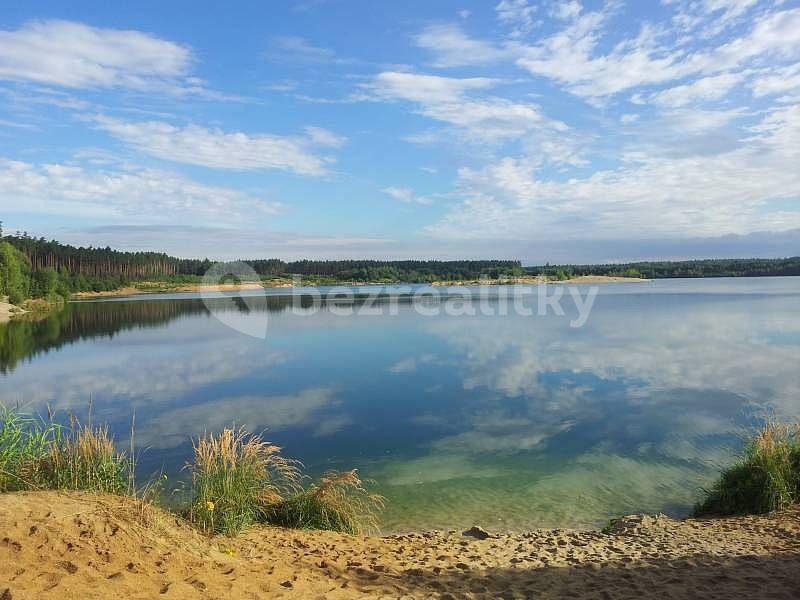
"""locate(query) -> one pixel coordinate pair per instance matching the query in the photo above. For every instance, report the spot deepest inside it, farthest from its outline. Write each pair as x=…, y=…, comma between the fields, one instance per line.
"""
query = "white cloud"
x=16, y=125
x=776, y=34
x=453, y=48
x=708, y=18
x=657, y=55
x=135, y=194
x=410, y=364
x=323, y=137
x=406, y=195
x=629, y=118
x=517, y=14
x=425, y=89
x=687, y=121
x=569, y=56
x=231, y=240
x=730, y=8
x=218, y=149
x=701, y=90
x=729, y=192
x=775, y=81
x=446, y=99
x=299, y=49
x=567, y=10
x=492, y=118
x=75, y=55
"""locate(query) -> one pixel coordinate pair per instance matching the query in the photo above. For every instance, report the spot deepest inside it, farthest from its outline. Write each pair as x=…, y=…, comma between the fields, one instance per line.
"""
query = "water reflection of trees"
x=24, y=339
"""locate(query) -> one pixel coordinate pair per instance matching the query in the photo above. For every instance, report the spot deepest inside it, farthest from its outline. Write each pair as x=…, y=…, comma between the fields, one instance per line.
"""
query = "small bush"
x=238, y=479
x=338, y=503
x=23, y=444
x=236, y=476
x=38, y=455
x=766, y=478
x=84, y=458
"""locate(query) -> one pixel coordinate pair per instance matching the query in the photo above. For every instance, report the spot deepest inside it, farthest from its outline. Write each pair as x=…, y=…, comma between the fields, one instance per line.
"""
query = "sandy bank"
x=155, y=288
x=9, y=310
x=81, y=546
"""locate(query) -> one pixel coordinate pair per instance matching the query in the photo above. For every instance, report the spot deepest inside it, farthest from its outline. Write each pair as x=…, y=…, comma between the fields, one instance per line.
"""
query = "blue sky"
x=545, y=131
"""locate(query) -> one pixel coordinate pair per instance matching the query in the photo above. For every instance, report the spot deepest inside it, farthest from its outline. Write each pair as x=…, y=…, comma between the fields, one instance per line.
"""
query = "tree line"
x=714, y=267
x=39, y=268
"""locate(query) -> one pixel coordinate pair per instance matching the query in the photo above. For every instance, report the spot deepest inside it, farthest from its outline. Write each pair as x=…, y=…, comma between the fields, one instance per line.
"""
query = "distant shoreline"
x=156, y=288
x=544, y=280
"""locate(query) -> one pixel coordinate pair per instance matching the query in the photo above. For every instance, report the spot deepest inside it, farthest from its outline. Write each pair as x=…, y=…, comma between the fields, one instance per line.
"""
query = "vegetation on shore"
x=38, y=268
x=238, y=479
x=79, y=269
x=235, y=478
x=764, y=479
x=46, y=455
x=339, y=502
x=732, y=267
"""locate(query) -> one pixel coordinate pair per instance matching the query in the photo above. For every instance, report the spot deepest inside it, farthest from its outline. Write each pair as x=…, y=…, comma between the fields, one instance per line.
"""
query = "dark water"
x=510, y=421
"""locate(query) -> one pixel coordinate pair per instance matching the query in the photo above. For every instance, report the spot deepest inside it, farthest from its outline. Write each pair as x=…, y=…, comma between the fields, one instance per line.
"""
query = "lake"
x=510, y=421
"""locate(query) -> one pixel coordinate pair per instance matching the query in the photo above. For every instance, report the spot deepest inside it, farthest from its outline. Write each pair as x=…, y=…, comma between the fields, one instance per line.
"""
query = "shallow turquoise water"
x=510, y=421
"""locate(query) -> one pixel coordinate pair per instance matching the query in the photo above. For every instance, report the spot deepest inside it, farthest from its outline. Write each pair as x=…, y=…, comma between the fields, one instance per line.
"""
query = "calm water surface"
x=507, y=421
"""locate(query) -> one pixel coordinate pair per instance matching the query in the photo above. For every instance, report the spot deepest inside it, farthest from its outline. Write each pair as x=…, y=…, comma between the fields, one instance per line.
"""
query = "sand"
x=75, y=545
x=155, y=288
x=6, y=312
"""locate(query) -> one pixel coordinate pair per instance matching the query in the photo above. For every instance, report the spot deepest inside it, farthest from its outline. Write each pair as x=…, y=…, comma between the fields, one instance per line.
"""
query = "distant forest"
x=40, y=268
x=713, y=267
x=105, y=262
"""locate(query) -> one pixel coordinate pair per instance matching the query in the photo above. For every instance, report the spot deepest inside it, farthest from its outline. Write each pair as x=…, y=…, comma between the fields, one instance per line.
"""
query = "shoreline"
x=181, y=288
x=544, y=281
x=9, y=311
x=151, y=288
x=78, y=545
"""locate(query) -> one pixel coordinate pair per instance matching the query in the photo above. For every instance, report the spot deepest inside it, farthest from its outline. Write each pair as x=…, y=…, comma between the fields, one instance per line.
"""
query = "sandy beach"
x=77, y=545
x=153, y=288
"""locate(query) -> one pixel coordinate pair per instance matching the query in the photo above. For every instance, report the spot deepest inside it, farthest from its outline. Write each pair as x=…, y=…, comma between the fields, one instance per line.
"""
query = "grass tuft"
x=236, y=476
x=339, y=502
x=766, y=478
x=238, y=479
x=24, y=442
x=44, y=455
x=84, y=458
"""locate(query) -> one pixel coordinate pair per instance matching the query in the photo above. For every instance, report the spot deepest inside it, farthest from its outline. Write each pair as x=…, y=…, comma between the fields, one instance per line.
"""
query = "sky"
x=550, y=131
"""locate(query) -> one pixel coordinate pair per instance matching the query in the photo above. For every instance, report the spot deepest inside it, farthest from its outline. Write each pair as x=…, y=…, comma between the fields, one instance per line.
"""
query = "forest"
x=39, y=268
